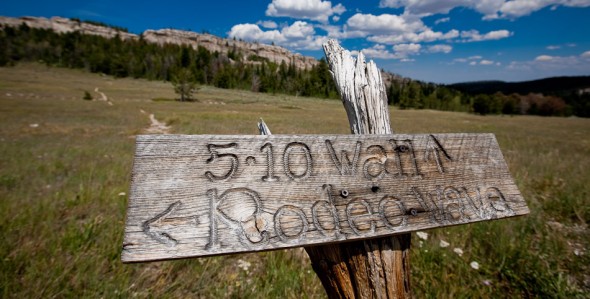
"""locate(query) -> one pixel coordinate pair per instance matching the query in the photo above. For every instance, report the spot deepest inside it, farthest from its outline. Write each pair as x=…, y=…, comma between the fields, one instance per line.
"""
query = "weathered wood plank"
x=201, y=195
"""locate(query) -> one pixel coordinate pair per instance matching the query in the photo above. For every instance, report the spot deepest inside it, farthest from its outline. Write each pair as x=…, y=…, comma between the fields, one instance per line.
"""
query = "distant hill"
x=252, y=51
x=167, y=36
x=228, y=63
x=554, y=85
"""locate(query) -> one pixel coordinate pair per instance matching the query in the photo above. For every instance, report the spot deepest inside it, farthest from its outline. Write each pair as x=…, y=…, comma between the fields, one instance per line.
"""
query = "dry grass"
x=65, y=164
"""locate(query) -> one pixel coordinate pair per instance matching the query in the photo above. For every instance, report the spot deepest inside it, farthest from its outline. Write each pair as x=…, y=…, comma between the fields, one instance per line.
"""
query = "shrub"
x=87, y=96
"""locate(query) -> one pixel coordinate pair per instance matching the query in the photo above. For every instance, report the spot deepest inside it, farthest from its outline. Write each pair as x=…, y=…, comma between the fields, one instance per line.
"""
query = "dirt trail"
x=156, y=126
x=103, y=96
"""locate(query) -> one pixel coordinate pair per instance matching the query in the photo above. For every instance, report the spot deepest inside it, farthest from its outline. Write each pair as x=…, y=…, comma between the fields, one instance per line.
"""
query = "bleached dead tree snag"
x=376, y=268
x=361, y=88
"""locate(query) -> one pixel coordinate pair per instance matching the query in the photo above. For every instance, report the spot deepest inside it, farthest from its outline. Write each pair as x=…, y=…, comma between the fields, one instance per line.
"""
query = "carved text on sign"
x=208, y=195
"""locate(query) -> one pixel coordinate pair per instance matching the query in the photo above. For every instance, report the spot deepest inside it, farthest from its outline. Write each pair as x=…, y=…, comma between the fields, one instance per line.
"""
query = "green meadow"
x=65, y=166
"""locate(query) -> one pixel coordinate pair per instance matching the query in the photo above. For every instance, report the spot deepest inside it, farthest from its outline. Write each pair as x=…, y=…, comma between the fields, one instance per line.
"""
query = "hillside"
x=101, y=48
x=210, y=42
x=233, y=64
x=555, y=85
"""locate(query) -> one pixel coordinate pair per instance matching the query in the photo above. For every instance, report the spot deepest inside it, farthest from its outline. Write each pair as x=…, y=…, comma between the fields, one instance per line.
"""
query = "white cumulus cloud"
x=440, y=49
x=299, y=35
x=476, y=60
x=316, y=10
x=378, y=52
x=548, y=66
x=544, y=58
x=398, y=29
x=424, y=7
x=413, y=37
x=518, y=8
x=268, y=24
x=251, y=32
x=384, y=24
x=309, y=43
x=442, y=20
x=341, y=32
x=298, y=30
x=490, y=9
x=470, y=58
x=401, y=52
x=407, y=49
x=475, y=36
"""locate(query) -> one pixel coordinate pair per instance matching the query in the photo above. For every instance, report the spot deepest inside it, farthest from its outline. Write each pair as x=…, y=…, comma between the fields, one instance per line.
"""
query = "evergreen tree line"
x=532, y=104
x=141, y=59
x=418, y=95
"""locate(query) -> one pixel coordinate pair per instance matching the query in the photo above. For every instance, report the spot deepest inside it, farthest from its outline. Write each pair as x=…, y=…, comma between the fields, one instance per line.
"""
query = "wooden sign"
x=202, y=195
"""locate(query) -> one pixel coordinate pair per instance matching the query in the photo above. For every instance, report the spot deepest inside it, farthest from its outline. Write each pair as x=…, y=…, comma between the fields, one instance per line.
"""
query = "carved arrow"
x=155, y=226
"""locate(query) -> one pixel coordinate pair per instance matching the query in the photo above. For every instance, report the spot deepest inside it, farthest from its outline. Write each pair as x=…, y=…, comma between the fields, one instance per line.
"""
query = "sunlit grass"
x=64, y=173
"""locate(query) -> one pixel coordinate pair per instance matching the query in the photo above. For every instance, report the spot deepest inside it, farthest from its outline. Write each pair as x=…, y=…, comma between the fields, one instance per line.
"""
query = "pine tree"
x=184, y=84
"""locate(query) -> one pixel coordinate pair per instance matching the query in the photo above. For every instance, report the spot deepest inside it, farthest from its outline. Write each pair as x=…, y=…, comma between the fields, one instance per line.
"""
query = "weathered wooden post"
x=204, y=195
x=374, y=268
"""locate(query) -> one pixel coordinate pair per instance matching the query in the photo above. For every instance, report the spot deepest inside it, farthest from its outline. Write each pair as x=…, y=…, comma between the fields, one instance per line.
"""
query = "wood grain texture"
x=201, y=195
x=361, y=88
x=376, y=268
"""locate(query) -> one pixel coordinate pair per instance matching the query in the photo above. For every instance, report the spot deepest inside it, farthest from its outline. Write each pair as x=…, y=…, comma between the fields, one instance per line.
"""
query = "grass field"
x=64, y=173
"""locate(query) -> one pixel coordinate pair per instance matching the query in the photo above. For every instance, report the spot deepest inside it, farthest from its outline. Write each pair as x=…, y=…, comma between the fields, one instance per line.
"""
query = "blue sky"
x=429, y=40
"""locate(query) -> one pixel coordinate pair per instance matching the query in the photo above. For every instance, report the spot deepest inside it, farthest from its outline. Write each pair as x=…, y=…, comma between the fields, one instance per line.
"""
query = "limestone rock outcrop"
x=64, y=25
x=179, y=37
x=223, y=45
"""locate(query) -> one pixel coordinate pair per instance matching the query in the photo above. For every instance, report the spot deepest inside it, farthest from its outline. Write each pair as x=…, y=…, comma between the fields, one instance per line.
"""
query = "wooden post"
x=376, y=268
